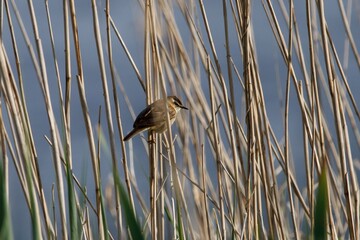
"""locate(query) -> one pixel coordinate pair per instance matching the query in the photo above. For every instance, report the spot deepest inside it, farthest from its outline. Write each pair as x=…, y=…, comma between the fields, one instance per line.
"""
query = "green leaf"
x=133, y=224
x=5, y=221
x=72, y=204
x=320, y=218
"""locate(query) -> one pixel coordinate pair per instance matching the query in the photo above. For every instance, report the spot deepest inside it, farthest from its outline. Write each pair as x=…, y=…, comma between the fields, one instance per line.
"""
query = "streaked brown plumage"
x=153, y=117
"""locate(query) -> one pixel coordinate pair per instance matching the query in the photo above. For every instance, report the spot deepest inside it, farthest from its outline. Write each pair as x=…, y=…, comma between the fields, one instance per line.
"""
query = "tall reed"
x=269, y=149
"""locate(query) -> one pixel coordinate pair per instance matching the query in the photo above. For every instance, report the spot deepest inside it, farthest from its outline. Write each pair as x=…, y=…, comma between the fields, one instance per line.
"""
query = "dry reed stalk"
x=227, y=171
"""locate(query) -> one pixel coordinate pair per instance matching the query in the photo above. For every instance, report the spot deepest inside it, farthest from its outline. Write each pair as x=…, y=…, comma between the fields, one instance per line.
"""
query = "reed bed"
x=268, y=149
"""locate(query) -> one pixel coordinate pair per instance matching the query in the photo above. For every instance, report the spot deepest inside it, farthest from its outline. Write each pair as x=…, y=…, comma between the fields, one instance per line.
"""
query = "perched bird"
x=153, y=117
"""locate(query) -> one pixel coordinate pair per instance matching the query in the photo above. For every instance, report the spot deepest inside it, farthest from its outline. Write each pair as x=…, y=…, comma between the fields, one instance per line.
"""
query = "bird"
x=153, y=117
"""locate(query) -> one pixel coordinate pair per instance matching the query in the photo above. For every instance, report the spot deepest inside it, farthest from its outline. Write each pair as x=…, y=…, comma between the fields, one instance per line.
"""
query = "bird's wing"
x=152, y=115
x=149, y=117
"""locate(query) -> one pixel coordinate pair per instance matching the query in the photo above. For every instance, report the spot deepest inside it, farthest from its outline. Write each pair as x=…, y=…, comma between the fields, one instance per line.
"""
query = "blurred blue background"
x=129, y=19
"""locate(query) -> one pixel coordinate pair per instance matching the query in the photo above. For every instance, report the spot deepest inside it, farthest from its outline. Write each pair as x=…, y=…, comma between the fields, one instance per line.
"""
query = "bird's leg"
x=152, y=140
x=166, y=142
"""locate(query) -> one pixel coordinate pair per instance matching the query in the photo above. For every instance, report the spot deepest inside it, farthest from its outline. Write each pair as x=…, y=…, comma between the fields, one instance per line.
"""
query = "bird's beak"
x=183, y=107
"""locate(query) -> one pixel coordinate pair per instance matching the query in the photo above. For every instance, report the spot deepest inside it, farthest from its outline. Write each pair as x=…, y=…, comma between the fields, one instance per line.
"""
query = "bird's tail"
x=133, y=133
